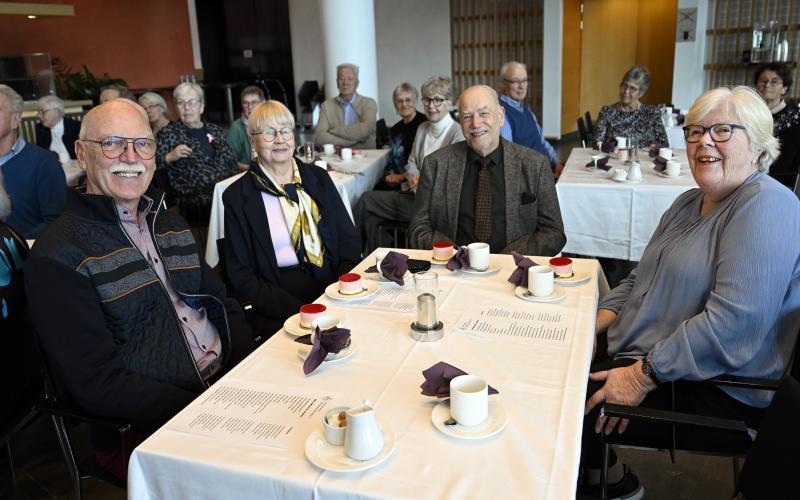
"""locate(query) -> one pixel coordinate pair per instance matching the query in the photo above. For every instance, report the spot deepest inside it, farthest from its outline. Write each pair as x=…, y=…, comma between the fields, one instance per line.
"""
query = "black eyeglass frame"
x=710, y=131
x=128, y=140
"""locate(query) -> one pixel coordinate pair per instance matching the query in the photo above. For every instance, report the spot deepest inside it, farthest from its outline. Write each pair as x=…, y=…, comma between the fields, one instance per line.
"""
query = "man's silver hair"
x=504, y=68
x=14, y=99
x=5, y=201
x=351, y=66
x=51, y=102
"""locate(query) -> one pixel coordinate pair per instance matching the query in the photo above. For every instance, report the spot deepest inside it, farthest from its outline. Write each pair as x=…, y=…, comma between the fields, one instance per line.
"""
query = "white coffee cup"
x=665, y=153
x=673, y=168
x=321, y=164
x=328, y=149
x=469, y=399
x=619, y=174
x=622, y=142
x=478, y=256
x=378, y=259
x=347, y=154
x=540, y=280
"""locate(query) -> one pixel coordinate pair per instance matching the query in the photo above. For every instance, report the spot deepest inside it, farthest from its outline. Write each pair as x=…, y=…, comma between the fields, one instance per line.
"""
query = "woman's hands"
x=178, y=152
x=627, y=385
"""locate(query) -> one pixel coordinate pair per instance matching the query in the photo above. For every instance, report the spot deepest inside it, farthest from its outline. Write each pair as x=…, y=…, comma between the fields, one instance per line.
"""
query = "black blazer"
x=250, y=261
x=72, y=129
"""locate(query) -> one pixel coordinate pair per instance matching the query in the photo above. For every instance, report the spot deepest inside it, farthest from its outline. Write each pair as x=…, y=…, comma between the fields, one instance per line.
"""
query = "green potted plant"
x=77, y=85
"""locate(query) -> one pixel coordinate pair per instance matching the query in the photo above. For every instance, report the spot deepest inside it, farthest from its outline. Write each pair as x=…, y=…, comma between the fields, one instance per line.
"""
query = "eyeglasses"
x=113, y=147
x=252, y=104
x=774, y=82
x=191, y=103
x=720, y=132
x=436, y=101
x=516, y=82
x=151, y=106
x=43, y=111
x=269, y=134
x=624, y=87
x=405, y=101
x=345, y=80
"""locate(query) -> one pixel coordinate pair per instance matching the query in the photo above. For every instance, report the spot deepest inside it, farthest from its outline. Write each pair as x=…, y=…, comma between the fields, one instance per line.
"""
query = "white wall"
x=551, y=68
x=413, y=40
x=306, y=35
x=688, y=77
x=413, y=43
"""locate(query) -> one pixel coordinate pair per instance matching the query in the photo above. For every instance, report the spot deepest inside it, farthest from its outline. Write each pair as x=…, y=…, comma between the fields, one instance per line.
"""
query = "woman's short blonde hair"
x=749, y=109
x=269, y=112
x=187, y=87
x=441, y=85
x=155, y=99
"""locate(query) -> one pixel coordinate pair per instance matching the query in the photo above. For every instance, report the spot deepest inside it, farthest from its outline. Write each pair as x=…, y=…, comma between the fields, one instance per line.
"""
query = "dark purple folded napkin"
x=520, y=275
x=659, y=164
x=653, y=152
x=460, y=260
x=325, y=342
x=680, y=119
x=608, y=145
x=438, y=377
x=393, y=267
x=602, y=163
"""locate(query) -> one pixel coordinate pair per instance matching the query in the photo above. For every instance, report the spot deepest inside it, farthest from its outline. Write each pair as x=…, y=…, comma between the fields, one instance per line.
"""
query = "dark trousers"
x=689, y=397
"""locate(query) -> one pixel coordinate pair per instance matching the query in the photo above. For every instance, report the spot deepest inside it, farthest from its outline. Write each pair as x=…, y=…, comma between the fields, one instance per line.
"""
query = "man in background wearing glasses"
x=34, y=180
x=132, y=321
x=349, y=118
x=521, y=126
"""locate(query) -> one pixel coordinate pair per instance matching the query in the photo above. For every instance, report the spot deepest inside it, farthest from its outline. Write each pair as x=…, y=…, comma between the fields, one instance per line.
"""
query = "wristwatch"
x=647, y=369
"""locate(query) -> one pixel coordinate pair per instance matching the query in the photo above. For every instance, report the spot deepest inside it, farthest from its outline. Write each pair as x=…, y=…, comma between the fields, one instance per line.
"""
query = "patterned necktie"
x=483, y=203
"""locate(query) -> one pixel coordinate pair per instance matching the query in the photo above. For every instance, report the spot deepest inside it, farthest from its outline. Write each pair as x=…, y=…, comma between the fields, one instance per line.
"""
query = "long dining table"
x=605, y=218
x=352, y=179
x=536, y=355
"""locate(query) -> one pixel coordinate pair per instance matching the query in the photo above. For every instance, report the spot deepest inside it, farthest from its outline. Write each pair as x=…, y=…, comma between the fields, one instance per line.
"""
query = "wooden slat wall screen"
x=487, y=33
x=730, y=33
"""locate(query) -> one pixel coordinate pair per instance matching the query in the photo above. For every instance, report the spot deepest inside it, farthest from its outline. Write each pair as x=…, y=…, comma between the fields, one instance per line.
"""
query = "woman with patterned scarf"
x=287, y=232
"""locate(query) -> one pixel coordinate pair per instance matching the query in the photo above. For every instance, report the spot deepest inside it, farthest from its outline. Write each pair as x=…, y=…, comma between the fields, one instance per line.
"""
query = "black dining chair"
x=583, y=134
x=680, y=420
x=589, y=124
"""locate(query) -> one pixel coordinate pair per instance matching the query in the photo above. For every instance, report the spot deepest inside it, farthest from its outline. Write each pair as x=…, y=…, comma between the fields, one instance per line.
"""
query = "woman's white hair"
x=749, y=109
x=186, y=87
x=5, y=201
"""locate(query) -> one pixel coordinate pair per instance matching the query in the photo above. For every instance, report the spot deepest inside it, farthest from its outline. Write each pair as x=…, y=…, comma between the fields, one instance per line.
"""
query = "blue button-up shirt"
x=350, y=116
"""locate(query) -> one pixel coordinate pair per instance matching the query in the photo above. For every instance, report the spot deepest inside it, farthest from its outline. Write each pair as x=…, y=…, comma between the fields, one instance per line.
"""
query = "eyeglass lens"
x=114, y=147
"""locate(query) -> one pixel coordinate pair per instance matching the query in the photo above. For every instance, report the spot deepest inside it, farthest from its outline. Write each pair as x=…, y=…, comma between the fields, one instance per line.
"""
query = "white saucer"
x=619, y=180
x=370, y=288
x=379, y=278
x=493, y=268
x=557, y=295
x=333, y=458
x=664, y=175
x=292, y=326
x=304, y=350
x=575, y=279
x=438, y=262
x=494, y=423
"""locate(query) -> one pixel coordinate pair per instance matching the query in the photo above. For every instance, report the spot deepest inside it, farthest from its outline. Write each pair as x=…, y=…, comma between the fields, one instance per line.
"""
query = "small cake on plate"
x=309, y=313
x=442, y=250
x=350, y=284
x=562, y=267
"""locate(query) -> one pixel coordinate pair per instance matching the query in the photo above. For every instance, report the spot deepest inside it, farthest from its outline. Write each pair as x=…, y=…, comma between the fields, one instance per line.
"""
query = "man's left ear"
x=80, y=155
x=502, y=115
x=16, y=118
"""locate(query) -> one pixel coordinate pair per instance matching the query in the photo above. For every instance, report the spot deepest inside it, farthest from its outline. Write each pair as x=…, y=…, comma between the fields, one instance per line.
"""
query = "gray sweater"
x=718, y=294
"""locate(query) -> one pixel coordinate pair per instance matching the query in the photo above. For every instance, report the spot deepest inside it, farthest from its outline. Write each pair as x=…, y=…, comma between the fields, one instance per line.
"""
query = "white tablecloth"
x=604, y=218
x=362, y=175
x=542, y=387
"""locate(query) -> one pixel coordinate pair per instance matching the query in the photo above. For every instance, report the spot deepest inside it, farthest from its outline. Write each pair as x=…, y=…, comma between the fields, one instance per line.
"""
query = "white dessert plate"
x=370, y=288
x=438, y=262
x=494, y=423
x=292, y=325
x=557, y=295
x=333, y=458
x=575, y=279
x=304, y=350
x=493, y=268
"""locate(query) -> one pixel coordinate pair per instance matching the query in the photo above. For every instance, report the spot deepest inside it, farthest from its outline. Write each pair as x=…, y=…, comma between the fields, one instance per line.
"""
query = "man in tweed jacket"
x=525, y=216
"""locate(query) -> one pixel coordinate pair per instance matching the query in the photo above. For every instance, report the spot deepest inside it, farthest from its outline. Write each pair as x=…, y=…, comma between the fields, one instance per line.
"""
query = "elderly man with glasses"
x=521, y=126
x=55, y=132
x=349, y=118
x=238, y=140
x=33, y=178
x=133, y=322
